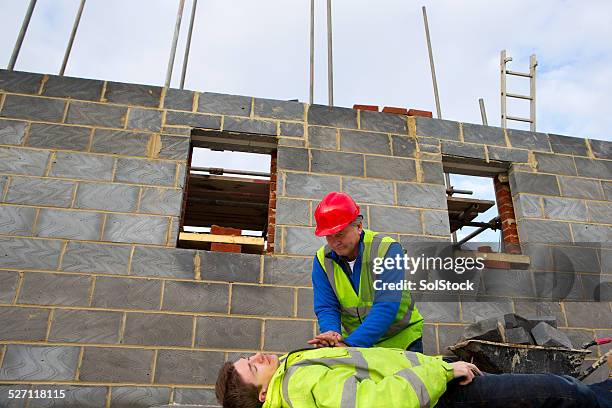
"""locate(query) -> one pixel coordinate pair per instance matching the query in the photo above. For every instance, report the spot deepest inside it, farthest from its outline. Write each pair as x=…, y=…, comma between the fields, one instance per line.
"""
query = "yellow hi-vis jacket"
x=354, y=307
x=357, y=378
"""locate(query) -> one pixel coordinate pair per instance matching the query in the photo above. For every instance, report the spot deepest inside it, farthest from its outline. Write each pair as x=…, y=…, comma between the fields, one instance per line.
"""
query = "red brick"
x=215, y=229
x=491, y=264
x=366, y=107
x=503, y=197
x=485, y=248
x=399, y=111
x=416, y=112
x=219, y=247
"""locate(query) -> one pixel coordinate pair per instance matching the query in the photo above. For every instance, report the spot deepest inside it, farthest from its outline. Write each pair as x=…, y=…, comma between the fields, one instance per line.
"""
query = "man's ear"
x=262, y=394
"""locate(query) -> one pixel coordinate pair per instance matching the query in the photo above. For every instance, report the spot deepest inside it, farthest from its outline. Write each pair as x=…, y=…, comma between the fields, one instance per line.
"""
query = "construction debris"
x=546, y=335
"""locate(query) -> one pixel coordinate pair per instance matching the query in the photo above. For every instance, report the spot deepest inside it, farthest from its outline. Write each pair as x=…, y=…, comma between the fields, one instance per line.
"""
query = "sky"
x=261, y=48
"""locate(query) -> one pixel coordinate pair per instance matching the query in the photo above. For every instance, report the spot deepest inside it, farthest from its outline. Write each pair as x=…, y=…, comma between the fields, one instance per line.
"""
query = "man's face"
x=258, y=370
x=346, y=242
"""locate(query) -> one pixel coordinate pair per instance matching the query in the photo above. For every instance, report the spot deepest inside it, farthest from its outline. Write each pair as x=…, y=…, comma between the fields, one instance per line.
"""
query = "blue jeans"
x=520, y=391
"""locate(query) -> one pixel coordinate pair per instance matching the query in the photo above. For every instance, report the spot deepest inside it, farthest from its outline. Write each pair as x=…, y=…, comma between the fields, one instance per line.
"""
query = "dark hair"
x=232, y=392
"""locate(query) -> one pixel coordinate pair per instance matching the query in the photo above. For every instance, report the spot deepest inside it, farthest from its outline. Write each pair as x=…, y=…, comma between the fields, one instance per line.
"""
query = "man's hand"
x=466, y=370
x=328, y=339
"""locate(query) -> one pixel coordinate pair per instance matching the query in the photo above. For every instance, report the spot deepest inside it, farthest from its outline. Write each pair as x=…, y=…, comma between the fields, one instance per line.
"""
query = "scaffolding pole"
x=483, y=112
x=330, y=59
x=21, y=36
x=177, y=29
x=431, y=64
x=312, y=50
x=75, y=26
x=188, y=45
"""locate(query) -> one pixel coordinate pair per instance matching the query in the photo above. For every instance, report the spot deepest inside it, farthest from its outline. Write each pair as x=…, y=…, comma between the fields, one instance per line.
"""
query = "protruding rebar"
x=177, y=29
x=75, y=26
x=20, y=37
x=188, y=45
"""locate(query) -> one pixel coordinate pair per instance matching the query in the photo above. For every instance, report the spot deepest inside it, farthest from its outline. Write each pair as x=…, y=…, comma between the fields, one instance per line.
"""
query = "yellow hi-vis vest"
x=357, y=378
x=354, y=307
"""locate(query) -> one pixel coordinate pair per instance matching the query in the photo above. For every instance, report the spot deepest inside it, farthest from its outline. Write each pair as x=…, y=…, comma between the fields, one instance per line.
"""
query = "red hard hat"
x=334, y=213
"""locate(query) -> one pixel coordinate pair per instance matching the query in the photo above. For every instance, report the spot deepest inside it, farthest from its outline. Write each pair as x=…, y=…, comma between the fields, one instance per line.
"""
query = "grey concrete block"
x=230, y=267
x=16, y=220
x=188, y=367
x=403, y=146
x=20, y=82
x=23, y=161
x=221, y=104
x=383, y=122
x=310, y=185
x=120, y=142
x=438, y=310
x=195, y=396
x=441, y=129
x=332, y=116
x=61, y=137
x=69, y=224
x=7, y=402
x=490, y=329
x=96, y=258
x=322, y=137
x=432, y=172
x=133, y=94
x=291, y=129
x=196, y=297
x=12, y=132
x=245, y=125
x=179, y=99
x=533, y=183
x=96, y=114
x=600, y=212
x=463, y=150
x=448, y=335
x=39, y=363
x=364, y=142
x=488, y=135
x=305, y=308
x=565, y=209
x=421, y=195
x=600, y=169
x=534, y=231
x=105, y=196
x=175, y=130
x=146, y=171
x=75, y=88
x=137, y=229
x=196, y=120
x=8, y=284
x=546, y=335
x=283, y=270
x=292, y=212
x=21, y=324
x=85, y=326
x=479, y=310
x=3, y=183
x=588, y=314
x=607, y=187
x=430, y=340
x=158, y=330
x=82, y=166
x=532, y=309
x=389, y=219
x=131, y=397
x=527, y=206
x=555, y=286
x=144, y=119
x=581, y=188
x=76, y=396
x=369, y=191
x=232, y=332
x=390, y=168
x=602, y=149
x=552, y=163
x=102, y=364
x=292, y=159
x=287, y=335
x=33, y=108
x=287, y=110
x=301, y=241
x=54, y=289
x=508, y=155
x=174, y=147
x=166, y=201
x=528, y=140
x=567, y=145
x=436, y=223
x=29, y=253
x=262, y=301
x=118, y=293
x=170, y=262
x=576, y=259
x=181, y=178
x=504, y=282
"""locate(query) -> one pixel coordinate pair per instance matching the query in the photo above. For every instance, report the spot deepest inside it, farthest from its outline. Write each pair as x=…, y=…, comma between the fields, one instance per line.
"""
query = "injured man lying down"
x=378, y=377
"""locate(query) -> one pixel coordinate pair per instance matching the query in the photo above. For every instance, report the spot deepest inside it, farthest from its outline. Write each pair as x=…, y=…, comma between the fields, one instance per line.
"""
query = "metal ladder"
x=533, y=63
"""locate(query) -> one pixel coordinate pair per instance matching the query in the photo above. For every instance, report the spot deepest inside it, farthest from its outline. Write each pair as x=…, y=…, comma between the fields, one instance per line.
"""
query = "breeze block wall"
x=96, y=299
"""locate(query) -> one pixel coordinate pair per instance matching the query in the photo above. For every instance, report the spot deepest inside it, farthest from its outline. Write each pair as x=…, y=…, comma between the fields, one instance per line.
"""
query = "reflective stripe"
x=413, y=358
x=417, y=385
x=362, y=370
x=404, y=321
x=349, y=393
